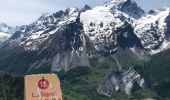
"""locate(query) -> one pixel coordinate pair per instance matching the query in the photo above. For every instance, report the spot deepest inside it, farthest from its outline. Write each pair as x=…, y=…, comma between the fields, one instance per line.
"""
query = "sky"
x=22, y=12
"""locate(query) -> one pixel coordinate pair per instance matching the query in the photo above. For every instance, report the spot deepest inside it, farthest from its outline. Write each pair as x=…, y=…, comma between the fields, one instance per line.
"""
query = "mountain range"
x=112, y=43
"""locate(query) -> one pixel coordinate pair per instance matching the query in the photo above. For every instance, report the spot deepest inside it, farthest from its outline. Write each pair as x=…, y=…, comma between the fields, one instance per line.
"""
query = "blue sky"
x=19, y=12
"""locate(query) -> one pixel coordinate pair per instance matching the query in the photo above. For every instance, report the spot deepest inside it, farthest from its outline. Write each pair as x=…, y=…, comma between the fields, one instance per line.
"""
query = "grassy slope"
x=81, y=83
x=158, y=73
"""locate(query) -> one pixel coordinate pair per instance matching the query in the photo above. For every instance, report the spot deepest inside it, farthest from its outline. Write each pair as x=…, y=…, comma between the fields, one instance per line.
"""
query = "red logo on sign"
x=43, y=83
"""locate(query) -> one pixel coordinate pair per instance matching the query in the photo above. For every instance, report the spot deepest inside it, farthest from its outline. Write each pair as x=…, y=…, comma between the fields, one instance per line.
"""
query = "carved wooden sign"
x=42, y=87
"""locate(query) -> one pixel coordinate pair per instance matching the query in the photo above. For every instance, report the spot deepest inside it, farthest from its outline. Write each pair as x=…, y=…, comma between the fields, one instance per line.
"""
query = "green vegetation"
x=11, y=87
x=126, y=59
x=81, y=83
x=16, y=61
x=158, y=73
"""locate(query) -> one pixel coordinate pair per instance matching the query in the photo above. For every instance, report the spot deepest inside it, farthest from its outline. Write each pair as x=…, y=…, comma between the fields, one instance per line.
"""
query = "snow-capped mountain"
x=106, y=19
x=152, y=30
x=88, y=32
x=30, y=36
x=5, y=32
x=99, y=24
x=109, y=28
x=5, y=28
x=126, y=6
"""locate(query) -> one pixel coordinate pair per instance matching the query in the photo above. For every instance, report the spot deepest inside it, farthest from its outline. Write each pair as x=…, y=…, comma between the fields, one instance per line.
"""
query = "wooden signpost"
x=42, y=87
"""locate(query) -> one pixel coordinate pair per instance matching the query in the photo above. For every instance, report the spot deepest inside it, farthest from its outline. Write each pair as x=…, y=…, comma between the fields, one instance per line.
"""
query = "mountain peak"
x=129, y=7
x=44, y=15
x=71, y=10
x=86, y=7
x=5, y=28
x=153, y=12
x=115, y=4
x=118, y=1
x=3, y=25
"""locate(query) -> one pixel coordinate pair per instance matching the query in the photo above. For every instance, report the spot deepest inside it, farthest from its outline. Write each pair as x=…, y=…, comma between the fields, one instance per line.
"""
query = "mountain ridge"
x=48, y=23
x=109, y=27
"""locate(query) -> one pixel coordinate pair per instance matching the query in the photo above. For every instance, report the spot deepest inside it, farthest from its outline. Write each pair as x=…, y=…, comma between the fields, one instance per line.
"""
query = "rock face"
x=75, y=49
x=85, y=8
x=167, y=21
x=132, y=9
x=121, y=80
